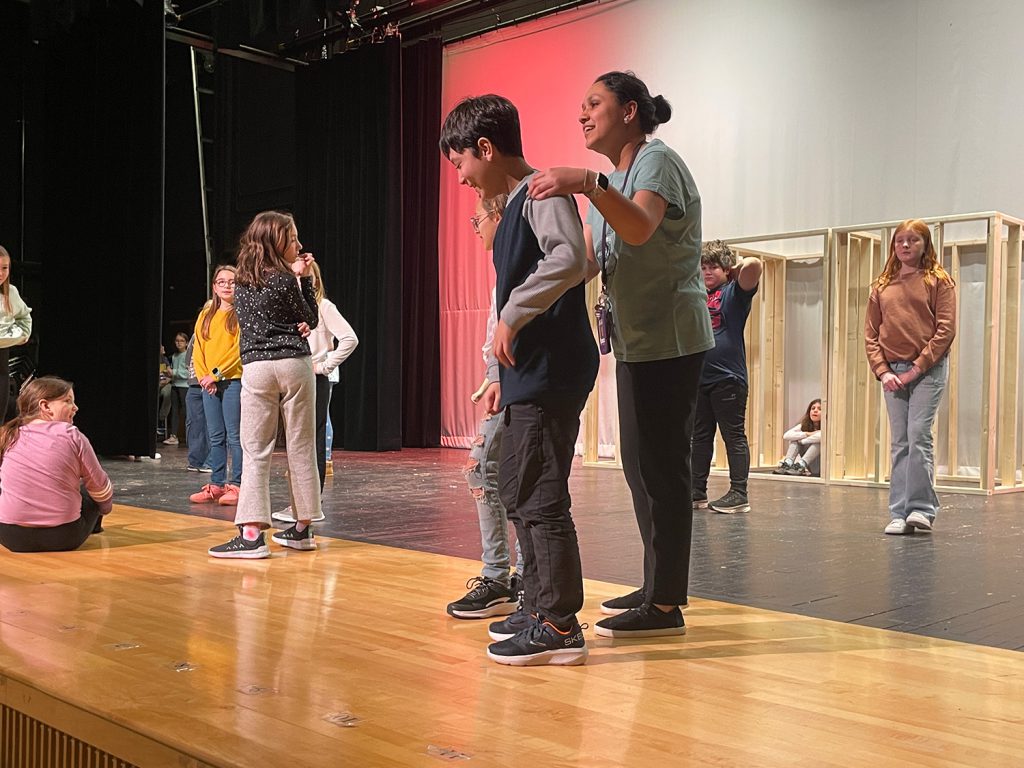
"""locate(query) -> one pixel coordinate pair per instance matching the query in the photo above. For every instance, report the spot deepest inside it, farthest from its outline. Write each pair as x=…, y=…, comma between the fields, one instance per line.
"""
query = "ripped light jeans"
x=911, y=414
x=481, y=472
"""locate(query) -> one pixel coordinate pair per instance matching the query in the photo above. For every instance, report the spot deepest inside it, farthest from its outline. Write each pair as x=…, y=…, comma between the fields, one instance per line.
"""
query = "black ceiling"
x=301, y=28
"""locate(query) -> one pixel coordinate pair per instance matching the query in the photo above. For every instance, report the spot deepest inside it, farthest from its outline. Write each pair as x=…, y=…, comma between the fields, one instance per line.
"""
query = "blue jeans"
x=911, y=414
x=482, y=476
x=195, y=428
x=223, y=413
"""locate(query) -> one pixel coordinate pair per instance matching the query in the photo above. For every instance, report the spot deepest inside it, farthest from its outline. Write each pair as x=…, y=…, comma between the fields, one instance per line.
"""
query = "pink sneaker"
x=209, y=492
x=230, y=495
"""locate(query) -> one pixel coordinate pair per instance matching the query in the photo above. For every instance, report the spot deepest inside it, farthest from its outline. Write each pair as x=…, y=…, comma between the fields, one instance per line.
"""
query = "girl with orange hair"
x=910, y=325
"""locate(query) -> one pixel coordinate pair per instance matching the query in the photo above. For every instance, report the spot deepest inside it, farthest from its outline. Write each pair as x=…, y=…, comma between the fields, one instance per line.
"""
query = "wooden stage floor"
x=148, y=649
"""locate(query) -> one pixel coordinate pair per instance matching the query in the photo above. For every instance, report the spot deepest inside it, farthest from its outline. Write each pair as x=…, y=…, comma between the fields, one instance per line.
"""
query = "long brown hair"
x=929, y=260
x=5, y=289
x=808, y=425
x=261, y=248
x=214, y=304
x=43, y=388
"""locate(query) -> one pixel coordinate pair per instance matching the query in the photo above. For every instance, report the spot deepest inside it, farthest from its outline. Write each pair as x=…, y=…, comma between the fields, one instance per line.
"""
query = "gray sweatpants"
x=270, y=387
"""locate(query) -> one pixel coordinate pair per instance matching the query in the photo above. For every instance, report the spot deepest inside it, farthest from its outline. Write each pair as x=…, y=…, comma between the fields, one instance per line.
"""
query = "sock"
x=300, y=526
x=250, y=532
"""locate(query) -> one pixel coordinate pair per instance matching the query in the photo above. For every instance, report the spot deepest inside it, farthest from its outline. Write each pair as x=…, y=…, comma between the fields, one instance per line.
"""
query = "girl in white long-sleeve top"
x=15, y=325
x=326, y=359
x=804, y=443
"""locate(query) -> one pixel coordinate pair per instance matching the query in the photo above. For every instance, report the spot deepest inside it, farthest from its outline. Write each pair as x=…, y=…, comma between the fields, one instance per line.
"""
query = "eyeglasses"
x=224, y=283
x=475, y=221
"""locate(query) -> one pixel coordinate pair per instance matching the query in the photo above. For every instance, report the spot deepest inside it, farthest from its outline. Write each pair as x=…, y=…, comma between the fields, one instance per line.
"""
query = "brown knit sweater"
x=910, y=320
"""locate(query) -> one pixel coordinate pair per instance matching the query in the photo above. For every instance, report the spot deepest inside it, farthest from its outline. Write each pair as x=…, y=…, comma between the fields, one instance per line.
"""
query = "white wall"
x=791, y=114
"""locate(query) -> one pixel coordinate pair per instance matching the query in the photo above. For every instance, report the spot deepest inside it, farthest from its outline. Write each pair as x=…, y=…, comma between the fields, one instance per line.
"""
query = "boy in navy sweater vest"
x=549, y=362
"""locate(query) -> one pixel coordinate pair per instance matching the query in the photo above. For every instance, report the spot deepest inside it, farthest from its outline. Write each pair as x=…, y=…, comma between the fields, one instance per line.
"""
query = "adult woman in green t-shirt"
x=643, y=236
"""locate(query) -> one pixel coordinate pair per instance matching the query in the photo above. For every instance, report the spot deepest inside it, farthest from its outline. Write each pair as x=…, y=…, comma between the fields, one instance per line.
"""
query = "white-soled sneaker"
x=897, y=527
x=919, y=521
x=293, y=539
x=238, y=547
x=286, y=515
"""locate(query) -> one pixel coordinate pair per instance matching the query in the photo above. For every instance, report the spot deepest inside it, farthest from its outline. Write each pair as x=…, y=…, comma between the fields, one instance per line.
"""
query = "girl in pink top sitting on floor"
x=44, y=463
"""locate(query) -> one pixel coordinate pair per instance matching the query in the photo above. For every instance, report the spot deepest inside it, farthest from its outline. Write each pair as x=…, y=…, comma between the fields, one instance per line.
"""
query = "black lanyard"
x=604, y=228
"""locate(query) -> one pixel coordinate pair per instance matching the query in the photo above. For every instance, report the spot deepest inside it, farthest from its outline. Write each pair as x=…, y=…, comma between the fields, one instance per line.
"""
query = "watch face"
x=602, y=181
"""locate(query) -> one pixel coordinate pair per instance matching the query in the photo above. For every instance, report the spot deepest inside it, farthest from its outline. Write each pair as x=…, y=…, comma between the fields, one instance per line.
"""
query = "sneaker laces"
x=478, y=586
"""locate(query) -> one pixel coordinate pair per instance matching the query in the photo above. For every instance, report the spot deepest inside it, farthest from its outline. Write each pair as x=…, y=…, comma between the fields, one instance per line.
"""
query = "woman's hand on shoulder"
x=557, y=181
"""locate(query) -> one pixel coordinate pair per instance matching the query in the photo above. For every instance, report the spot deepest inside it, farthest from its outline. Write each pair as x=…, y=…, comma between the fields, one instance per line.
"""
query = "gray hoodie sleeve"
x=559, y=231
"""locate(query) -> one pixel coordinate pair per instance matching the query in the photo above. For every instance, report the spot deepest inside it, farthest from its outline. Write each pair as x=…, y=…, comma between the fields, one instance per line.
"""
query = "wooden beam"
x=990, y=378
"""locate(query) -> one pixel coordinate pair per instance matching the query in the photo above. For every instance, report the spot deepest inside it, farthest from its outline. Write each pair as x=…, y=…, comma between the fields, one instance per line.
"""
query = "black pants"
x=657, y=401
x=60, y=538
x=537, y=448
x=722, y=405
x=5, y=382
x=323, y=398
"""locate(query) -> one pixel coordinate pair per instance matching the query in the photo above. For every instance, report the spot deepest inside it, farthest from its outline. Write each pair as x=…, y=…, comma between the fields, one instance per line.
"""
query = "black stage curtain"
x=100, y=159
x=253, y=148
x=421, y=352
x=184, y=253
x=14, y=59
x=349, y=215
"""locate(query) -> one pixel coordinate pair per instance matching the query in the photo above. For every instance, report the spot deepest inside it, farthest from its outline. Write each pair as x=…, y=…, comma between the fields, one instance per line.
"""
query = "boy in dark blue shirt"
x=549, y=363
x=722, y=399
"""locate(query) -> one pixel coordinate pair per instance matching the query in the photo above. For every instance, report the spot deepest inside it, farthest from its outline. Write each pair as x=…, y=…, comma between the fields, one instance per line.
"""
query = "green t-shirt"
x=659, y=303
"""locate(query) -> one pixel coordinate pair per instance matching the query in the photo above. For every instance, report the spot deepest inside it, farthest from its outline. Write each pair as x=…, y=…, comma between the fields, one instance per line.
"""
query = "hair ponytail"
x=43, y=388
x=627, y=87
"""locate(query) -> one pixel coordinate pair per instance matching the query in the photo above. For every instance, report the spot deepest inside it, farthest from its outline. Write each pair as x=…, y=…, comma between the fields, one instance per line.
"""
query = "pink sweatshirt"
x=42, y=473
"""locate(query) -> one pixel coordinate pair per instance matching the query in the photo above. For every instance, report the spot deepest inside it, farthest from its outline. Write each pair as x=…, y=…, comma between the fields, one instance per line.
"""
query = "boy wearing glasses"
x=549, y=363
x=494, y=592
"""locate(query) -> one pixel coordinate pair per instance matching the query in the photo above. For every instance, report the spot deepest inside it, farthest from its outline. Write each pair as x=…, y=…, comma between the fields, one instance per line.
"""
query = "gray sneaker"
x=898, y=527
x=286, y=515
x=239, y=548
x=919, y=521
x=294, y=539
x=731, y=503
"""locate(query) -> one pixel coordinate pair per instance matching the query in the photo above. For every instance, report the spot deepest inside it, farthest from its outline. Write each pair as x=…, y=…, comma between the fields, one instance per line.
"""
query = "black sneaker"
x=541, y=643
x=292, y=538
x=238, y=547
x=700, y=501
x=798, y=470
x=645, y=621
x=511, y=626
x=486, y=597
x=618, y=605
x=783, y=468
x=731, y=503
x=515, y=586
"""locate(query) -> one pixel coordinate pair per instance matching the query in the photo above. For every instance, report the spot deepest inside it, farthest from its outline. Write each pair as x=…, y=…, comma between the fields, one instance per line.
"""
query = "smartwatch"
x=600, y=187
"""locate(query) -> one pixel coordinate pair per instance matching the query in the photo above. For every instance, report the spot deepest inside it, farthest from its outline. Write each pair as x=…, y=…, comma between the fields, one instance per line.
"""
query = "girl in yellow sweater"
x=218, y=366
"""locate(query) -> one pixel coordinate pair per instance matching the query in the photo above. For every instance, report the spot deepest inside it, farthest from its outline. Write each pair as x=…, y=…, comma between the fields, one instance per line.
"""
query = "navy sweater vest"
x=556, y=355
